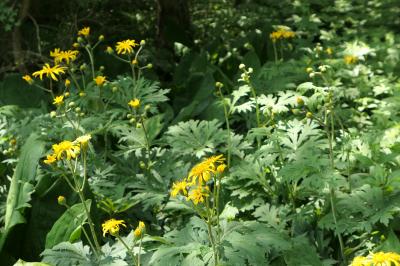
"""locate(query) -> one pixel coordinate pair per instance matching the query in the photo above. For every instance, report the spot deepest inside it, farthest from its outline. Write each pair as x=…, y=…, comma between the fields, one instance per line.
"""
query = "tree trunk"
x=19, y=57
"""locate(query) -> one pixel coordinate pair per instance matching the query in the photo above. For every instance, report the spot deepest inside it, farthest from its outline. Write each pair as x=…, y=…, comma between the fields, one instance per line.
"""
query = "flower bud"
x=101, y=38
x=66, y=94
x=61, y=200
x=109, y=50
x=147, y=107
x=77, y=109
x=309, y=69
x=71, y=104
x=312, y=75
x=142, y=43
x=101, y=68
x=309, y=115
x=300, y=101
x=82, y=94
x=132, y=120
x=149, y=66
x=142, y=165
x=81, y=114
x=114, y=89
x=80, y=40
x=83, y=67
x=242, y=66
x=218, y=84
x=295, y=111
x=75, y=45
x=221, y=168
x=67, y=83
x=53, y=114
x=129, y=116
x=250, y=70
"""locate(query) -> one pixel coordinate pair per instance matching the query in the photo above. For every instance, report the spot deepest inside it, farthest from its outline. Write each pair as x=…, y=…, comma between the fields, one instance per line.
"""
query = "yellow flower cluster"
x=60, y=56
x=282, y=34
x=198, y=176
x=126, y=47
x=50, y=72
x=350, y=59
x=377, y=259
x=112, y=226
x=67, y=149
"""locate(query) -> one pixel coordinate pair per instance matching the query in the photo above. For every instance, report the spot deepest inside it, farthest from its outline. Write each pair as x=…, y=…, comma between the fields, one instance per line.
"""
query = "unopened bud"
x=53, y=114
x=142, y=43
x=61, y=200
x=82, y=94
x=77, y=109
x=309, y=115
x=71, y=104
x=80, y=40
x=300, y=101
x=242, y=66
x=142, y=165
x=75, y=45
x=219, y=84
x=83, y=67
x=114, y=89
x=101, y=38
x=149, y=66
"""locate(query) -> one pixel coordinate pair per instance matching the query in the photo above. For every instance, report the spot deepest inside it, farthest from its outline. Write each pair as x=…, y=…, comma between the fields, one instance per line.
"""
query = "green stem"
x=128, y=249
x=275, y=52
x=329, y=128
x=258, y=120
x=226, y=114
x=140, y=248
x=210, y=234
x=147, y=141
x=90, y=53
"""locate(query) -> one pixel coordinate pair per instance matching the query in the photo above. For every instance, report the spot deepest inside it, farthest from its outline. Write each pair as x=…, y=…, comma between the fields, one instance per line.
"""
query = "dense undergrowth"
x=276, y=142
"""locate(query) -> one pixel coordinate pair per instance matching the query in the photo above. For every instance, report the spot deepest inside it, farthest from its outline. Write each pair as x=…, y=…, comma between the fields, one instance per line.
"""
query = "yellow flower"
x=178, y=187
x=84, y=32
x=28, y=79
x=135, y=103
x=197, y=195
x=50, y=71
x=350, y=59
x=385, y=259
x=59, y=100
x=329, y=51
x=75, y=45
x=55, y=53
x=360, y=261
x=112, y=226
x=83, y=140
x=202, y=171
x=100, y=80
x=66, y=149
x=67, y=83
x=221, y=168
x=126, y=46
x=282, y=33
x=51, y=158
x=67, y=56
x=139, y=230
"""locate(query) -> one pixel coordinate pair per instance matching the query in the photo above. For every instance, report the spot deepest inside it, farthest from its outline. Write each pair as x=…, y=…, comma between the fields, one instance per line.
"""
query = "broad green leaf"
x=21, y=186
x=68, y=225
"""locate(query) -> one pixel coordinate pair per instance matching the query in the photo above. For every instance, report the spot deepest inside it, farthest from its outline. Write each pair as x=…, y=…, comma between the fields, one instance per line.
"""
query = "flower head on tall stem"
x=112, y=226
x=126, y=46
x=50, y=72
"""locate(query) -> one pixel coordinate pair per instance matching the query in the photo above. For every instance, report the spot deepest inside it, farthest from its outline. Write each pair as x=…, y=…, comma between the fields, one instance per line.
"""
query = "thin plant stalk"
x=229, y=139
x=127, y=248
